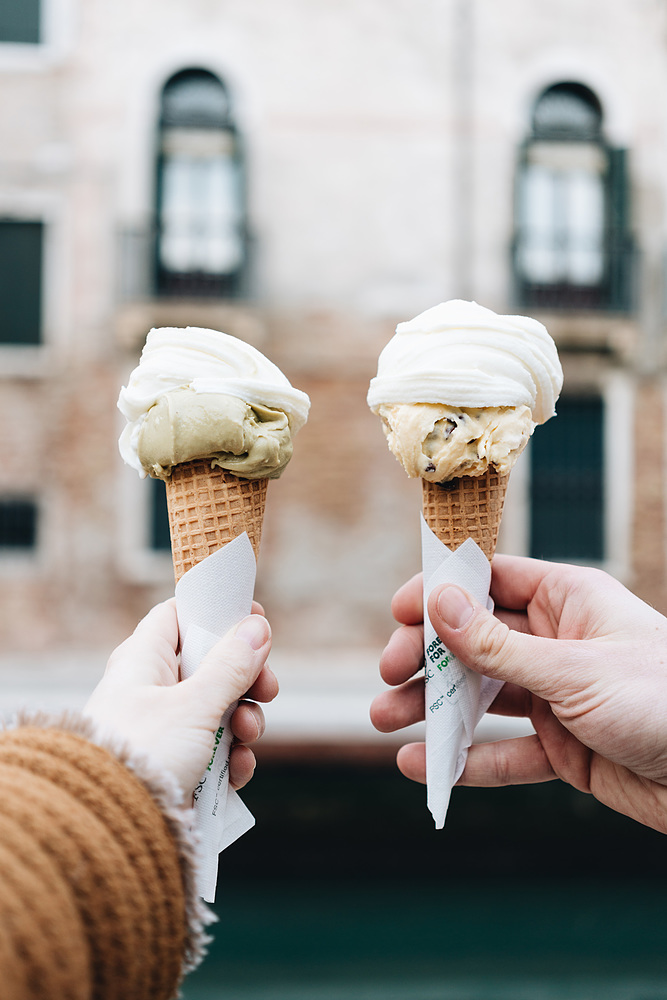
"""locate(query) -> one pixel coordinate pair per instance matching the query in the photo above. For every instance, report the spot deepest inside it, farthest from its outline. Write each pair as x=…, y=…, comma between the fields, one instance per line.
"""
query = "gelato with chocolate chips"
x=460, y=390
x=438, y=442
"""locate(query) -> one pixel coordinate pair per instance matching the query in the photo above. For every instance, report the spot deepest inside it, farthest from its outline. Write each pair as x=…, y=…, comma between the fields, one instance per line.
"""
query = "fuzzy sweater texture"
x=96, y=871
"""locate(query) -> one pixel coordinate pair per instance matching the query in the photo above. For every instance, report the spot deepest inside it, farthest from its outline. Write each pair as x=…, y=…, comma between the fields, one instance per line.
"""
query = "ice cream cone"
x=467, y=507
x=208, y=507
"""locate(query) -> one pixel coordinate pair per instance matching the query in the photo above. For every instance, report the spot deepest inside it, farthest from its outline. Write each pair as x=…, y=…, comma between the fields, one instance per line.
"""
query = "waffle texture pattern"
x=208, y=507
x=467, y=507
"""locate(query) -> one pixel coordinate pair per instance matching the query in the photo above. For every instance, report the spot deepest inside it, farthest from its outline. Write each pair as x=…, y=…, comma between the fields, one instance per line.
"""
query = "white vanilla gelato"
x=217, y=371
x=461, y=389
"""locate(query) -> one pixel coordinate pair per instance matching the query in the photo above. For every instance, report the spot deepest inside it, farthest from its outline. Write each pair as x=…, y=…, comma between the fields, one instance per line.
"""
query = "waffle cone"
x=208, y=508
x=467, y=507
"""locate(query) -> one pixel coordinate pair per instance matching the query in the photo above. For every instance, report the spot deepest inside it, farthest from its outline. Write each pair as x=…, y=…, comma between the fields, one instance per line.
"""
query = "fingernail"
x=454, y=607
x=254, y=630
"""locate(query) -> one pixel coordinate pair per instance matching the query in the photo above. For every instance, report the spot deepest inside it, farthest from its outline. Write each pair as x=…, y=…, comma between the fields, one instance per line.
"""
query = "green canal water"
x=345, y=890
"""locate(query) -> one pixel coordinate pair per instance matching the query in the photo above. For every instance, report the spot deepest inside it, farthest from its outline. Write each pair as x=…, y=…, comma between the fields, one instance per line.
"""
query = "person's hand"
x=584, y=659
x=141, y=700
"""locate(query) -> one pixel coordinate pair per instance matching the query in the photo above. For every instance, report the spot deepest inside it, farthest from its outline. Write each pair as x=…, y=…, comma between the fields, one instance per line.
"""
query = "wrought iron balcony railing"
x=557, y=272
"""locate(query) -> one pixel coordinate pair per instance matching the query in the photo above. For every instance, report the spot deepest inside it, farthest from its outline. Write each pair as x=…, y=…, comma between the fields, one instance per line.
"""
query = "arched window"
x=571, y=241
x=201, y=231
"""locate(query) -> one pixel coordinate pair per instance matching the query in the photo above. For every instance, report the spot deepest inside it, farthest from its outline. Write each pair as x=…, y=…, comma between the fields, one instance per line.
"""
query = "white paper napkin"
x=456, y=697
x=210, y=599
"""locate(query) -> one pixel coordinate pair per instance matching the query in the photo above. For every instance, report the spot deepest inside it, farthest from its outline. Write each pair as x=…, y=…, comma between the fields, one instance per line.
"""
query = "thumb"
x=233, y=665
x=485, y=644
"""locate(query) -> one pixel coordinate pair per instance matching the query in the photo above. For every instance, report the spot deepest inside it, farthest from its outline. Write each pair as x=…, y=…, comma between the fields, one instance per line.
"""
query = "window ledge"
x=593, y=332
x=145, y=567
x=20, y=564
x=26, y=362
x=30, y=57
x=133, y=321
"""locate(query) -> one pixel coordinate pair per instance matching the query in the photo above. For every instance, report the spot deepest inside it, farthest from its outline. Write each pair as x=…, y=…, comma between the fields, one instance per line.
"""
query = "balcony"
x=148, y=296
x=556, y=272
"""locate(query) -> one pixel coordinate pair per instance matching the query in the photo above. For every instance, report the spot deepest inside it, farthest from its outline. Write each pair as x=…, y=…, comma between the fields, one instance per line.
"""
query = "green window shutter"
x=567, y=483
x=18, y=524
x=20, y=21
x=20, y=281
x=159, y=537
x=619, y=237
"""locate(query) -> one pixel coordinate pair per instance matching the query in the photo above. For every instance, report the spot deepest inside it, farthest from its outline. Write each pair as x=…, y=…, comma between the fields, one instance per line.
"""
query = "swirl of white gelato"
x=204, y=361
x=461, y=354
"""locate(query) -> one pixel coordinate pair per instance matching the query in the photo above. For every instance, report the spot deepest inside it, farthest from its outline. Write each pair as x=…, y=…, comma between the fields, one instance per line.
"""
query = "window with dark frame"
x=158, y=531
x=572, y=246
x=20, y=22
x=21, y=252
x=18, y=524
x=567, y=501
x=201, y=244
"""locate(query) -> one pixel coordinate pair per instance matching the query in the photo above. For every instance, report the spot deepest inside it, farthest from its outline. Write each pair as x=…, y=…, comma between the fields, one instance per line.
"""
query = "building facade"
x=305, y=176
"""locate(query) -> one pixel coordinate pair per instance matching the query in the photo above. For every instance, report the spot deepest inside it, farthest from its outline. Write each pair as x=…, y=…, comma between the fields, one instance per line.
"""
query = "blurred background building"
x=304, y=176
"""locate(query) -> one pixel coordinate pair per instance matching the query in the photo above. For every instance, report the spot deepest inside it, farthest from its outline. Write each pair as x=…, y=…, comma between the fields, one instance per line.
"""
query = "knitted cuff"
x=168, y=798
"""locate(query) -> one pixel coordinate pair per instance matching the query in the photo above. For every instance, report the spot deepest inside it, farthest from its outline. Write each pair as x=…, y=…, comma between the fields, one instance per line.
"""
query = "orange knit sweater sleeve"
x=94, y=873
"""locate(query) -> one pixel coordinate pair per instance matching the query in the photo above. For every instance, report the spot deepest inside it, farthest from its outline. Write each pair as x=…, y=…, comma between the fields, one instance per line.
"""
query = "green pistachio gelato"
x=252, y=441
